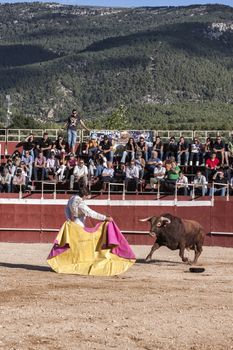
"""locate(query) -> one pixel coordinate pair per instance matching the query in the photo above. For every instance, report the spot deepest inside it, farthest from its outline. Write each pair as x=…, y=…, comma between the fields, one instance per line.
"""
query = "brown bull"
x=176, y=233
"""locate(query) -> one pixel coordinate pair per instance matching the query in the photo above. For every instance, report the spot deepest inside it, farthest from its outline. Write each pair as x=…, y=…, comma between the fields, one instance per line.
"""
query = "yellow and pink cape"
x=101, y=251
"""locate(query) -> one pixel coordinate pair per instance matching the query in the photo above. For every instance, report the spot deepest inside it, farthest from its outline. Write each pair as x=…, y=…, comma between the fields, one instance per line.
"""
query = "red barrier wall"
x=42, y=218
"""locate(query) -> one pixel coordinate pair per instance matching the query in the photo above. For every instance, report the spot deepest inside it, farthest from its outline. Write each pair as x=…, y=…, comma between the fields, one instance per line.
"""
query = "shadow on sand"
x=159, y=262
x=26, y=267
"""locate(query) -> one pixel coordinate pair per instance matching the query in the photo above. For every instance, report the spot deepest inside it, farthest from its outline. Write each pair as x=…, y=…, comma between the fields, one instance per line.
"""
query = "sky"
x=132, y=3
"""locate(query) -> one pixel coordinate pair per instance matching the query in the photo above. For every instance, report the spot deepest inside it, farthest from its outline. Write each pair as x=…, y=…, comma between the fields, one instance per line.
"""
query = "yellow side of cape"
x=85, y=255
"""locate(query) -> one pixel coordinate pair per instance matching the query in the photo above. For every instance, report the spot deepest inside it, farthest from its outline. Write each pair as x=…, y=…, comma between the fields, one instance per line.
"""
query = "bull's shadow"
x=159, y=262
x=26, y=267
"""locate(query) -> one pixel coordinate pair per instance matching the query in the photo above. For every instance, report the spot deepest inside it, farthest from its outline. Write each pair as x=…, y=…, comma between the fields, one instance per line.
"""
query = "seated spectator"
x=70, y=164
x=101, y=163
x=132, y=175
x=183, y=152
x=10, y=167
x=18, y=182
x=92, y=146
x=208, y=149
x=29, y=145
x=130, y=150
x=158, y=147
x=158, y=175
x=5, y=181
x=140, y=163
x=25, y=172
x=142, y=147
x=171, y=148
x=171, y=176
x=106, y=147
x=119, y=173
x=212, y=164
x=16, y=158
x=80, y=175
x=45, y=145
x=39, y=166
x=182, y=183
x=219, y=149
x=219, y=178
x=152, y=162
x=60, y=173
x=52, y=165
x=229, y=151
x=200, y=184
x=27, y=158
x=195, y=152
x=107, y=174
x=60, y=145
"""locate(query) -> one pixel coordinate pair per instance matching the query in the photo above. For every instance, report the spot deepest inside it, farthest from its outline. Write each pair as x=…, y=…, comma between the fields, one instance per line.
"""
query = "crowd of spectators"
x=193, y=166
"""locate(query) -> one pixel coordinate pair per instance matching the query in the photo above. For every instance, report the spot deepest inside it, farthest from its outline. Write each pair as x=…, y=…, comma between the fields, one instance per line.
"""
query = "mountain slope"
x=54, y=57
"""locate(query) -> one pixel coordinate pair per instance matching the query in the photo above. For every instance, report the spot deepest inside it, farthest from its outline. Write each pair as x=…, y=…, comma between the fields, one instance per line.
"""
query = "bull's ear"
x=146, y=219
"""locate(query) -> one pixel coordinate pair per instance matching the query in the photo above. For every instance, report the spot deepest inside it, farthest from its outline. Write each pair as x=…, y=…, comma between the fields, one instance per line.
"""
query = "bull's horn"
x=146, y=219
x=163, y=218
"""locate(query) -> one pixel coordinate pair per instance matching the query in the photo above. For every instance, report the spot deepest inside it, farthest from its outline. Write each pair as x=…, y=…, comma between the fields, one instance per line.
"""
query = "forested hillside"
x=171, y=67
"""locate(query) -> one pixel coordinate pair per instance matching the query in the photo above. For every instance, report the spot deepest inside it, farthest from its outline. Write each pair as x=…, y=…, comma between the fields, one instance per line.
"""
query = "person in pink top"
x=212, y=164
x=39, y=165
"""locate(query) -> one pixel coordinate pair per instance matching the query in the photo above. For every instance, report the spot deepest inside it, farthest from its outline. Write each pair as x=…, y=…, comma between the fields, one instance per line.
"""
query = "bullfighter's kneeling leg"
x=154, y=247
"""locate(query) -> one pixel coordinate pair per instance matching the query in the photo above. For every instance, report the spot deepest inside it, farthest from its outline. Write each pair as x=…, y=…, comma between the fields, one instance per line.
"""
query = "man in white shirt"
x=80, y=175
x=107, y=174
x=182, y=184
x=132, y=174
x=159, y=173
x=200, y=184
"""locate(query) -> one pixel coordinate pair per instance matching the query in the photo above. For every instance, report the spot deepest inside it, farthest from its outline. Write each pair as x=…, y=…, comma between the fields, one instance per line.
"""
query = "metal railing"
x=121, y=136
x=226, y=186
x=158, y=188
x=116, y=184
x=54, y=184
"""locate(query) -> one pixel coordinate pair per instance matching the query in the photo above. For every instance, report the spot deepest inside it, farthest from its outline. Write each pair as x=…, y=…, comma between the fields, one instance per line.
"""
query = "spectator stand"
x=13, y=139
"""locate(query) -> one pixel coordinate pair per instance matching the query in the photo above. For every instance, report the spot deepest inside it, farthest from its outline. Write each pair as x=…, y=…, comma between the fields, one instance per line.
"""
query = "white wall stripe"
x=106, y=202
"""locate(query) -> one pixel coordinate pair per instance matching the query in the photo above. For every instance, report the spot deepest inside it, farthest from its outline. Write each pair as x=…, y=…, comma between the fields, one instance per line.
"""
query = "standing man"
x=73, y=123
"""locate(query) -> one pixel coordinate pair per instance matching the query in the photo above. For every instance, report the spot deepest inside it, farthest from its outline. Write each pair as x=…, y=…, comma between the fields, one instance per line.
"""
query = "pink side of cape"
x=115, y=237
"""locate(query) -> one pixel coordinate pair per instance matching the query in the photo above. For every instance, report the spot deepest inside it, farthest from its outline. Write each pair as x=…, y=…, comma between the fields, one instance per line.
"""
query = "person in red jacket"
x=212, y=164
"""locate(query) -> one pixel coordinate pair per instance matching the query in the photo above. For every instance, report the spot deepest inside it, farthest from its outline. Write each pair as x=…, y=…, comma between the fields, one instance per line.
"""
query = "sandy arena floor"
x=160, y=305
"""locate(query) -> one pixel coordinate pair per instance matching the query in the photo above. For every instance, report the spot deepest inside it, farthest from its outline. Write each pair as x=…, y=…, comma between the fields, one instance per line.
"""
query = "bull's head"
x=156, y=224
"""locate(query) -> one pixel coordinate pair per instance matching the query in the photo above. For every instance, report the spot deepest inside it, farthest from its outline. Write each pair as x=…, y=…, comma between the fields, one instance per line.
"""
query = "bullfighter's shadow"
x=159, y=262
x=26, y=267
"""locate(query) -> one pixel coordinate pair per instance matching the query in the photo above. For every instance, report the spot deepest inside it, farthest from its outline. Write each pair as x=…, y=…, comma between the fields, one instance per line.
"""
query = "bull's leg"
x=154, y=247
x=181, y=254
x=198, y=250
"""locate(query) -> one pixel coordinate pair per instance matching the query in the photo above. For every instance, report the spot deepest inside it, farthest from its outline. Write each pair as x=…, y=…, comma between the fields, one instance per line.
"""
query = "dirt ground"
x=157, y=305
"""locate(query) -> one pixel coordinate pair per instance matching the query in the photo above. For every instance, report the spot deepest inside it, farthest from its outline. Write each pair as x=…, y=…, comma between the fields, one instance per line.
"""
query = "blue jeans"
x=72, y=137
x=221, y=191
